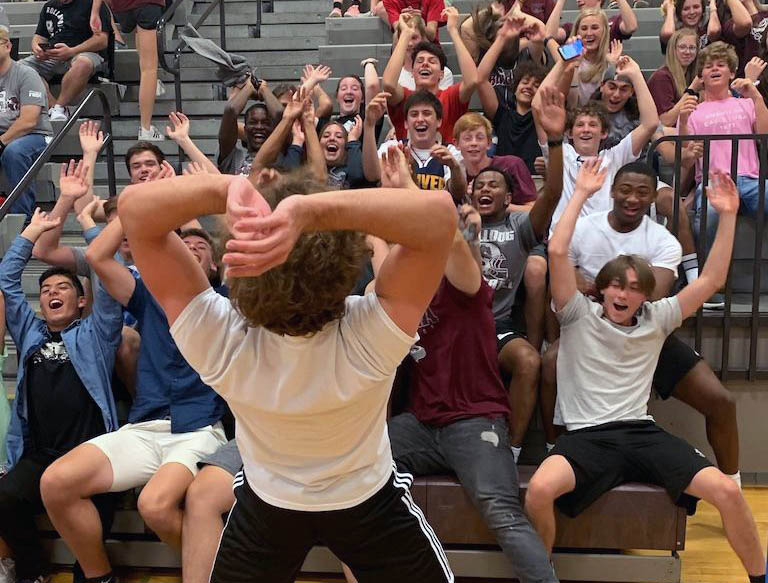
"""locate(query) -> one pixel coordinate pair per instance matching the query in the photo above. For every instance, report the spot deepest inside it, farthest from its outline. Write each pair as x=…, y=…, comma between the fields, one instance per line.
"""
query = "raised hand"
x=178, y=129
x=688, y=104
x=87, y=215
x=294, y=108
x=614, y=52
x=395, y=170
x=244, y=201
x=194, y=168
x=166, y=171
x=745, y=88
x=722, y=193
x=91, y=139
x=356, y=130
x=451, y=16
x=444, y=155
x=512, y=27
x=298, y=137
x=316, y=75
x=72, y=179
x=550, y=112
x=590, y=178
x=535, y=31
x=41, y=223
x=628, y=67
x=376, y=108
x=754, y=68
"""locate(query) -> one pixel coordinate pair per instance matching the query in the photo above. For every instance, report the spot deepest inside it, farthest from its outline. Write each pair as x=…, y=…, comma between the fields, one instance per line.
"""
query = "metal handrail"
x=46, y=154
x=735, y=139
x=175, y=68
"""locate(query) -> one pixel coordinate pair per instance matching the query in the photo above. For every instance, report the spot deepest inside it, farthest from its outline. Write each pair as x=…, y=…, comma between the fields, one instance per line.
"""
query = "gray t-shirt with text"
x=504, y=248
x=22, y=86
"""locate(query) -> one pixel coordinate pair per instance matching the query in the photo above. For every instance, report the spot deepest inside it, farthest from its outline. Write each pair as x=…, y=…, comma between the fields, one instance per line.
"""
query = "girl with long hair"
x=669, y=84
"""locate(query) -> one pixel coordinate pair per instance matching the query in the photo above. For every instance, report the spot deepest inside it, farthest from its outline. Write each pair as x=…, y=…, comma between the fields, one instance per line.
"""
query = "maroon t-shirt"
x=458, y=374
x=749, y=45
x=614, y=25
x=663, y=90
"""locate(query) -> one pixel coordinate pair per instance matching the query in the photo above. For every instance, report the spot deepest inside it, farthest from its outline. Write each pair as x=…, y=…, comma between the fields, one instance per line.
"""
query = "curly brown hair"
x=301, y=296
x=592, y=109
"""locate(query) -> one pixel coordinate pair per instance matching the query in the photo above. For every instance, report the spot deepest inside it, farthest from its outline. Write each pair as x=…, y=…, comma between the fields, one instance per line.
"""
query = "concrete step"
x=247, y=15
x=70, y=146
x=267, y=44
x=301, y=6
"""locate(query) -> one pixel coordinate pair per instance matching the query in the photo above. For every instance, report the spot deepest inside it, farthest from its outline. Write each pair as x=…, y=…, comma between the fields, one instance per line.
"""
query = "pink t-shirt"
x=728, y=116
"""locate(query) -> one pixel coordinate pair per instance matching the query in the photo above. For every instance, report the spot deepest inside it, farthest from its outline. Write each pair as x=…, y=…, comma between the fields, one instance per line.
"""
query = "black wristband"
x=2, y=146
x=690, y=91
x=553, y=143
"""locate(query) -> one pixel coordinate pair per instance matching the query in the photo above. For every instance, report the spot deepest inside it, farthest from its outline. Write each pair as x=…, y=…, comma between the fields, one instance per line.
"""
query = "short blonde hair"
x=5, y=33
x=471, y=121
x=716, y=51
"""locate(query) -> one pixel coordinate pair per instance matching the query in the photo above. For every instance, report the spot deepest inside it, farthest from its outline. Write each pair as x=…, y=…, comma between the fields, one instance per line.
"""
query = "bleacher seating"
x=295, y=33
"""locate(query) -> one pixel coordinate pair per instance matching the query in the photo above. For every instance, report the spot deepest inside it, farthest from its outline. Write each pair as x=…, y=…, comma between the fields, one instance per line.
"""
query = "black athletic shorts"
x=612, y=454
x=145, y=16
x=675, y=361
x=383, y=539
x=507, y=329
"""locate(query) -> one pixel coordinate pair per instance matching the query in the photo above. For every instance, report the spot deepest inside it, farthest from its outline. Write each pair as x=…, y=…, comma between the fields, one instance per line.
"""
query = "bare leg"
x=702, y=390
x=146, y=45
x=716, y=488
x=535, y=279
x=209, y=496
x=75, y=80
x=554, y=478
x=549, y=391
x=350, y=578
x=160, y=502
x=66, y=487
x=127, y=358
x=522, y=362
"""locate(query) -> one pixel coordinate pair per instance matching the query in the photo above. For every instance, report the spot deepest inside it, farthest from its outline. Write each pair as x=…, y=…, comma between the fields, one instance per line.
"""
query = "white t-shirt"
x=311, y=411
x=613, y=159
x=406, y=79
x=595, y=243
x=604, y=371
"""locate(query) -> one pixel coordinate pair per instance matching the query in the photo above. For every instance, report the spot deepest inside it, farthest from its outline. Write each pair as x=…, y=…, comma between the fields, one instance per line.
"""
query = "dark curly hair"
x=301, y=296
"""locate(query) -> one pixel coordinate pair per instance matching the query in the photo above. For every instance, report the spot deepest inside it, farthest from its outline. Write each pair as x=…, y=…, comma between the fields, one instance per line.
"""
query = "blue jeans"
x=749, y=193
x=15, y=160
x=477, y=451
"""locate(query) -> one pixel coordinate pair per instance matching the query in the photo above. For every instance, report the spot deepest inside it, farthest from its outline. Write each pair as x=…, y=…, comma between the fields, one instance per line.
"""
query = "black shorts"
x=507, y=329
x=612, y=454
x=385, y=538
x=145, y=16
x=675, y=361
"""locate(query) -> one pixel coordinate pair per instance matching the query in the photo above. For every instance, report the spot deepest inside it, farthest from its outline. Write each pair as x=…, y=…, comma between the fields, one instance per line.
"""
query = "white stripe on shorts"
x=218, y=546
x=414, y=510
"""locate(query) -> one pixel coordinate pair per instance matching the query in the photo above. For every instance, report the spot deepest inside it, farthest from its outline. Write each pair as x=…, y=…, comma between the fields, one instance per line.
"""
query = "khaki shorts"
x=137, y=450
x=50, y=68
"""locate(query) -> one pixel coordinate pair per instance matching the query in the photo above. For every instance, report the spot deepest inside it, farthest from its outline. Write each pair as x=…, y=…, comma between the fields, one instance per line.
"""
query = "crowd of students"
x=555, y=287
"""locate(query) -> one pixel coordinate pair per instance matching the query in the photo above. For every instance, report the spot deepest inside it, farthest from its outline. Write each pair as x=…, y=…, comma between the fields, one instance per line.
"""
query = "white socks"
x=690, y=265
x=735, y=477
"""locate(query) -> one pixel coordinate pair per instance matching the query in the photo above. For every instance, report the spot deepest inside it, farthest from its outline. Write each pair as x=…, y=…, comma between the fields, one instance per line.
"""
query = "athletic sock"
x=735, y=477
x=757, y=578
x=690, y=264
x=550, y=447
x=108, y=578
x=516, y=452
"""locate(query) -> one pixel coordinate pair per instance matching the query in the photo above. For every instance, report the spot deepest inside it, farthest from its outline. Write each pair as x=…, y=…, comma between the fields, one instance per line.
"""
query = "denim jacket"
x=91, y=343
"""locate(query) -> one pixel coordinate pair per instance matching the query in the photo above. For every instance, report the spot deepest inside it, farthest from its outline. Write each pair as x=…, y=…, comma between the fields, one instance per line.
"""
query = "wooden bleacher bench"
x=632, y=516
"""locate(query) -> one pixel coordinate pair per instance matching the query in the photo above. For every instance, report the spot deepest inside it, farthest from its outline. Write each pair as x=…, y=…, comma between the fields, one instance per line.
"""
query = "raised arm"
x=741, y=21
x=714, y=27
x=628, y=24
x=746, y=88
x=311, y=81
x=274, y=107
x=463, y=268
x=315, y=155
x=724, y=198
x=553, y=27
x=562, y=273
x=374, y=111
x=649, y=117
x=669, y=25
x=228, y=131
x=550, y=115
x=370, y=79
x=406, y=282
x=18, y=313
x=506, y=34
x=391, y=76
x=116, y=278
x=467, y=66
x=274, y=144
x=178, y=131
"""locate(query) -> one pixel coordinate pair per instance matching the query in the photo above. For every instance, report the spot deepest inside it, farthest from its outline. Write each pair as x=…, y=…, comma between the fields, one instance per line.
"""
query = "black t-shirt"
x=516, y=133
x=61, y=413
x=69, y=22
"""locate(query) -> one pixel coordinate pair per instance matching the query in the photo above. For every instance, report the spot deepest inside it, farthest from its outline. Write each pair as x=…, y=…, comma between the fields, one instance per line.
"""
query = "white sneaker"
x=7, y=571
x=58, y=113
x=160, y=89
x=150, y=135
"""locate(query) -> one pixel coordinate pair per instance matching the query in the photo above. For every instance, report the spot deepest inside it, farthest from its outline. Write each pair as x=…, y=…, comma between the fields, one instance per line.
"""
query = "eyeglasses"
x=687, y=48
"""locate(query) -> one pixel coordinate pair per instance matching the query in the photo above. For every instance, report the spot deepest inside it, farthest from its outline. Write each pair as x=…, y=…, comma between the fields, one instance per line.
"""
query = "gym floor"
x=707, y=558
